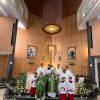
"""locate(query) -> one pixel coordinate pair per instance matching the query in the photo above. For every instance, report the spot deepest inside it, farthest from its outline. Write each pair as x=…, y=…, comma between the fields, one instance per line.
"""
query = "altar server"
x=29, y=78
x=33, y=85
x=70, y=89
x=62, y=89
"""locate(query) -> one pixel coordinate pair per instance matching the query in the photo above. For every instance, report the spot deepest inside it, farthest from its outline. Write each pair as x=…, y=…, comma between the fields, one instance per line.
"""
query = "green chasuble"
x=40, y=86
x=52, y=83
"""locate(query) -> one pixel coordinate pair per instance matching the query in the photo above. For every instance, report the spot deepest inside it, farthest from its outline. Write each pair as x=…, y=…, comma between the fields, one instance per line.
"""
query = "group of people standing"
x=52, y=81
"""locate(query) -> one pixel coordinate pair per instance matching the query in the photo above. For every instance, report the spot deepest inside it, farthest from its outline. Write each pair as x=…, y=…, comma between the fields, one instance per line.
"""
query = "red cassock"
x=63, y=97
x=32, y=91
x=70, y=96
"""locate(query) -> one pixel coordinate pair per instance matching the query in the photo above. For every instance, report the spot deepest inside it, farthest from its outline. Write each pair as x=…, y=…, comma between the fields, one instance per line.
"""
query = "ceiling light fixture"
x=4, y=1
x=52, y=28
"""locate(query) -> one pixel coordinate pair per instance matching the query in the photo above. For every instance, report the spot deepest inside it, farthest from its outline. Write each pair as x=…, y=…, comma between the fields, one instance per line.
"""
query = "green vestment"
x=40, y=86
x=52, y=83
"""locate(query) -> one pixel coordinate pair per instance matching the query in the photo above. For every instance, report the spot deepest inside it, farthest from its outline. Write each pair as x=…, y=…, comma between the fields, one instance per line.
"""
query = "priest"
x=63, y=74
x=70, y=74
x=52, y=83
x=68, y=71
x=58, y=73
x=58, y=70
x=40, y=69
x=40, y=87
x=48, y=70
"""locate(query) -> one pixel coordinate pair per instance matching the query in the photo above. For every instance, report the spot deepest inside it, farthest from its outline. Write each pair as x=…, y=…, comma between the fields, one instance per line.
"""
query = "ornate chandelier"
x=52, y=28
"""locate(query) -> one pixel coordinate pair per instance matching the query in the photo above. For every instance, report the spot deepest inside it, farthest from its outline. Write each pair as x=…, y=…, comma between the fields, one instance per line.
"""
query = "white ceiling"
x=9, y=8
x=87, y=11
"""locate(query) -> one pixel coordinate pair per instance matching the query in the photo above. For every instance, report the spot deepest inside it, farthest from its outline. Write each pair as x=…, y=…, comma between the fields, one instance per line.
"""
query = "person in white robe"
x=29, y=78
x=58, y=70
x=68, y=71
x=48, y=70
x=40, y=69
x=58, y=73
x=33, y=85
x=70, y=74
x=62, y=89
x=63, y=74
x=70, y=89
x=73, y=78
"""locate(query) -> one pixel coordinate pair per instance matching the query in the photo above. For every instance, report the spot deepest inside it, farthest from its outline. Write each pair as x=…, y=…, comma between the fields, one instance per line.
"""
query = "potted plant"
x=92, y=89
x=20, y=88
x=82, y=91
x=12, y=83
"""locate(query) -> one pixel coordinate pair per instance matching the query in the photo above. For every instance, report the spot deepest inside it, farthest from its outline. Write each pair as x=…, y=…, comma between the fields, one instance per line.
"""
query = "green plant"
x=91, y=87
x=89, y=84
x=81, y=90
x=20, y=88
x=12, y=83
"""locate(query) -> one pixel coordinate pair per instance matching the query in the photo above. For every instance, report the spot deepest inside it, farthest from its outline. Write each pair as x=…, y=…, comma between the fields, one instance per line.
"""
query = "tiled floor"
x=2, y=91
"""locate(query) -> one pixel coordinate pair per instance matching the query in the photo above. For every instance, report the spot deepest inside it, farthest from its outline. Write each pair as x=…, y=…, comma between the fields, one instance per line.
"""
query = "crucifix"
x=52, y=50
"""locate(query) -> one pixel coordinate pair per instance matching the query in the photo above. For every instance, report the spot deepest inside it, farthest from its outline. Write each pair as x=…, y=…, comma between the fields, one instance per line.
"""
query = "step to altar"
x=27, y=97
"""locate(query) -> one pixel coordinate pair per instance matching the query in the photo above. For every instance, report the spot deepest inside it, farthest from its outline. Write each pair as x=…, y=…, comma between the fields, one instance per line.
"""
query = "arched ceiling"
x=69, y=7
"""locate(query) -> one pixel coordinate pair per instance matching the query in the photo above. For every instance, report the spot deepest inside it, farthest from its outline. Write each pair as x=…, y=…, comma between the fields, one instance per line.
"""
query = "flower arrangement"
x=81, y=90
x=20, y=88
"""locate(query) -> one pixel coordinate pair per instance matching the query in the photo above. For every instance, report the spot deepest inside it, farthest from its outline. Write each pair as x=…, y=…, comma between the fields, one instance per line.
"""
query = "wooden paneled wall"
x=3, y=66
x=68, y=37
x=34, y=36
x=6, y=25
x=71, y=37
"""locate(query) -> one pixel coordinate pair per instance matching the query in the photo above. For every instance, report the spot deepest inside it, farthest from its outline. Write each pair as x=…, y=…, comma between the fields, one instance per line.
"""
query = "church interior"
x=49, y=32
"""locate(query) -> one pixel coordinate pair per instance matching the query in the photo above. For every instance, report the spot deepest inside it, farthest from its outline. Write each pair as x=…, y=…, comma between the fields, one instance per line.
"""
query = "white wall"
x=96, y=70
